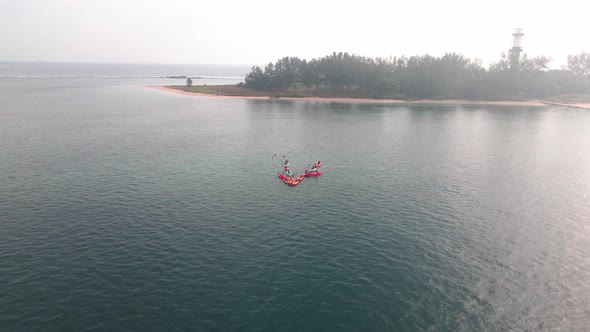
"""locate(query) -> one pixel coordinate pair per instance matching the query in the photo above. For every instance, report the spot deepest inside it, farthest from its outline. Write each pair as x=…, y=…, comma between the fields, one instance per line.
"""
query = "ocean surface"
x=117, y=70
x=124, y=208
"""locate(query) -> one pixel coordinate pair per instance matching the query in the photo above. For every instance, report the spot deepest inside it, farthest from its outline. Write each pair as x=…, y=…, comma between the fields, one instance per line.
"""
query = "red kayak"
x=292, y=182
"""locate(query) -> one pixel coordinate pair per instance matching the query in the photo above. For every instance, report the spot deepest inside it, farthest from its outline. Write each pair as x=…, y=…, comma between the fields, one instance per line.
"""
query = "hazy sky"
x=259, y=31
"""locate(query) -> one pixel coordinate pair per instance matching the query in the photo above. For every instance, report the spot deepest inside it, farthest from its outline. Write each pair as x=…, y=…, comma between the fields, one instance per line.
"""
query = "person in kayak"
x=286, y=164
x=315, y=167
x=288, y=172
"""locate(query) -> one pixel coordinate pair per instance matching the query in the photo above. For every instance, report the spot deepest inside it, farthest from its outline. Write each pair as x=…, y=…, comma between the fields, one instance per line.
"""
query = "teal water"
x=129, y=209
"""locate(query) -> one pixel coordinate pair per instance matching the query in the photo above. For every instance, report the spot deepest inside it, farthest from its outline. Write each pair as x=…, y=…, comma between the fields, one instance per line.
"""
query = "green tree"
x=540, y=63
x=423, y=76
x=256, y=79
x=286, y=72
x=579, y=64
x=189, y=82
x=310, y=74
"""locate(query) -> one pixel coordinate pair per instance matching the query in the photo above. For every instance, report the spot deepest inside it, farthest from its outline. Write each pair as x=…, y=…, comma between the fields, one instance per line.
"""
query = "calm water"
x=84, y=70
x=129, y=209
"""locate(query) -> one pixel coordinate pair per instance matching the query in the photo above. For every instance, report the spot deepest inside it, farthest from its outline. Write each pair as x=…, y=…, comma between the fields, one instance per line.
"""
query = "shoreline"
x=534, y=103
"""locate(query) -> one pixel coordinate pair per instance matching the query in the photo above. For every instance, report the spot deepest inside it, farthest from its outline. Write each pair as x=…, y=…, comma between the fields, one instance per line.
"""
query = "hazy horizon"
x=124, y=63
x=258, y=32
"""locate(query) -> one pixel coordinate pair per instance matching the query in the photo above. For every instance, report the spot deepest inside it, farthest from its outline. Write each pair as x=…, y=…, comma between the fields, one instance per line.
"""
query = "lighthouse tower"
x=516, y=49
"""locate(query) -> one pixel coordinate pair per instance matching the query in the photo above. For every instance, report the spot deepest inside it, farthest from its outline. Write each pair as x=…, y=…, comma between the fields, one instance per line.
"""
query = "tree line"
x=416, y=77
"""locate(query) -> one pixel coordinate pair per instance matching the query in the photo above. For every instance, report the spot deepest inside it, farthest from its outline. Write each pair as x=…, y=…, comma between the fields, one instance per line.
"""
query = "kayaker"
x=286, y=164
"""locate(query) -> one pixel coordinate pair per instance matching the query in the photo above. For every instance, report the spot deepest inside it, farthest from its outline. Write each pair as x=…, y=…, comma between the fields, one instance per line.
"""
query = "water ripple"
x=164, y=213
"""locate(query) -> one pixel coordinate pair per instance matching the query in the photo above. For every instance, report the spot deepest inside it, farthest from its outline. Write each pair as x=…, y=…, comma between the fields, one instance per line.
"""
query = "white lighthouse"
x=516, y=49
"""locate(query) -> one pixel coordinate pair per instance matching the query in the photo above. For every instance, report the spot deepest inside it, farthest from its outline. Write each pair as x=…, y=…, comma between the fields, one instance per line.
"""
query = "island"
x=448, y=79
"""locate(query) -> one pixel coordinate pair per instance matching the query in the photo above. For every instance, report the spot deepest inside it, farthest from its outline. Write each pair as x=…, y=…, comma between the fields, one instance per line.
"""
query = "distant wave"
x=85, y=70
x=122, y=76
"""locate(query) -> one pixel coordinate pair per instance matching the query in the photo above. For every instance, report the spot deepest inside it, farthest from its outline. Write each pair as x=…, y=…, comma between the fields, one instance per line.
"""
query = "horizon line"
x=120, y=63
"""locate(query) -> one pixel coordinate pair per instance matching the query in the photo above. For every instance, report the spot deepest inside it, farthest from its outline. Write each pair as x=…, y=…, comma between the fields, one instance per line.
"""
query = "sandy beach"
x=363, y=100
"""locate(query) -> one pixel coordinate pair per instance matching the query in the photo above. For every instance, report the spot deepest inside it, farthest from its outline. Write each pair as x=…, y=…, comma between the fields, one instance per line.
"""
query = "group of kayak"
x=288, y=178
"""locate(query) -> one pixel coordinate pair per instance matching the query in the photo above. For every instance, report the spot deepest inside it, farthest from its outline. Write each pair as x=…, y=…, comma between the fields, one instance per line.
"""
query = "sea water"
x=124, y=208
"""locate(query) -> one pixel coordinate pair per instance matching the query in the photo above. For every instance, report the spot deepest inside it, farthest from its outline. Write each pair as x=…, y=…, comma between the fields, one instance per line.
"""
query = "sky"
x=255, y=32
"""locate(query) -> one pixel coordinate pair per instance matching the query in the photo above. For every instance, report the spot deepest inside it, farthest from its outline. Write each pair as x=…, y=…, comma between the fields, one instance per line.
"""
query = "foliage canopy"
x=446, y=77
